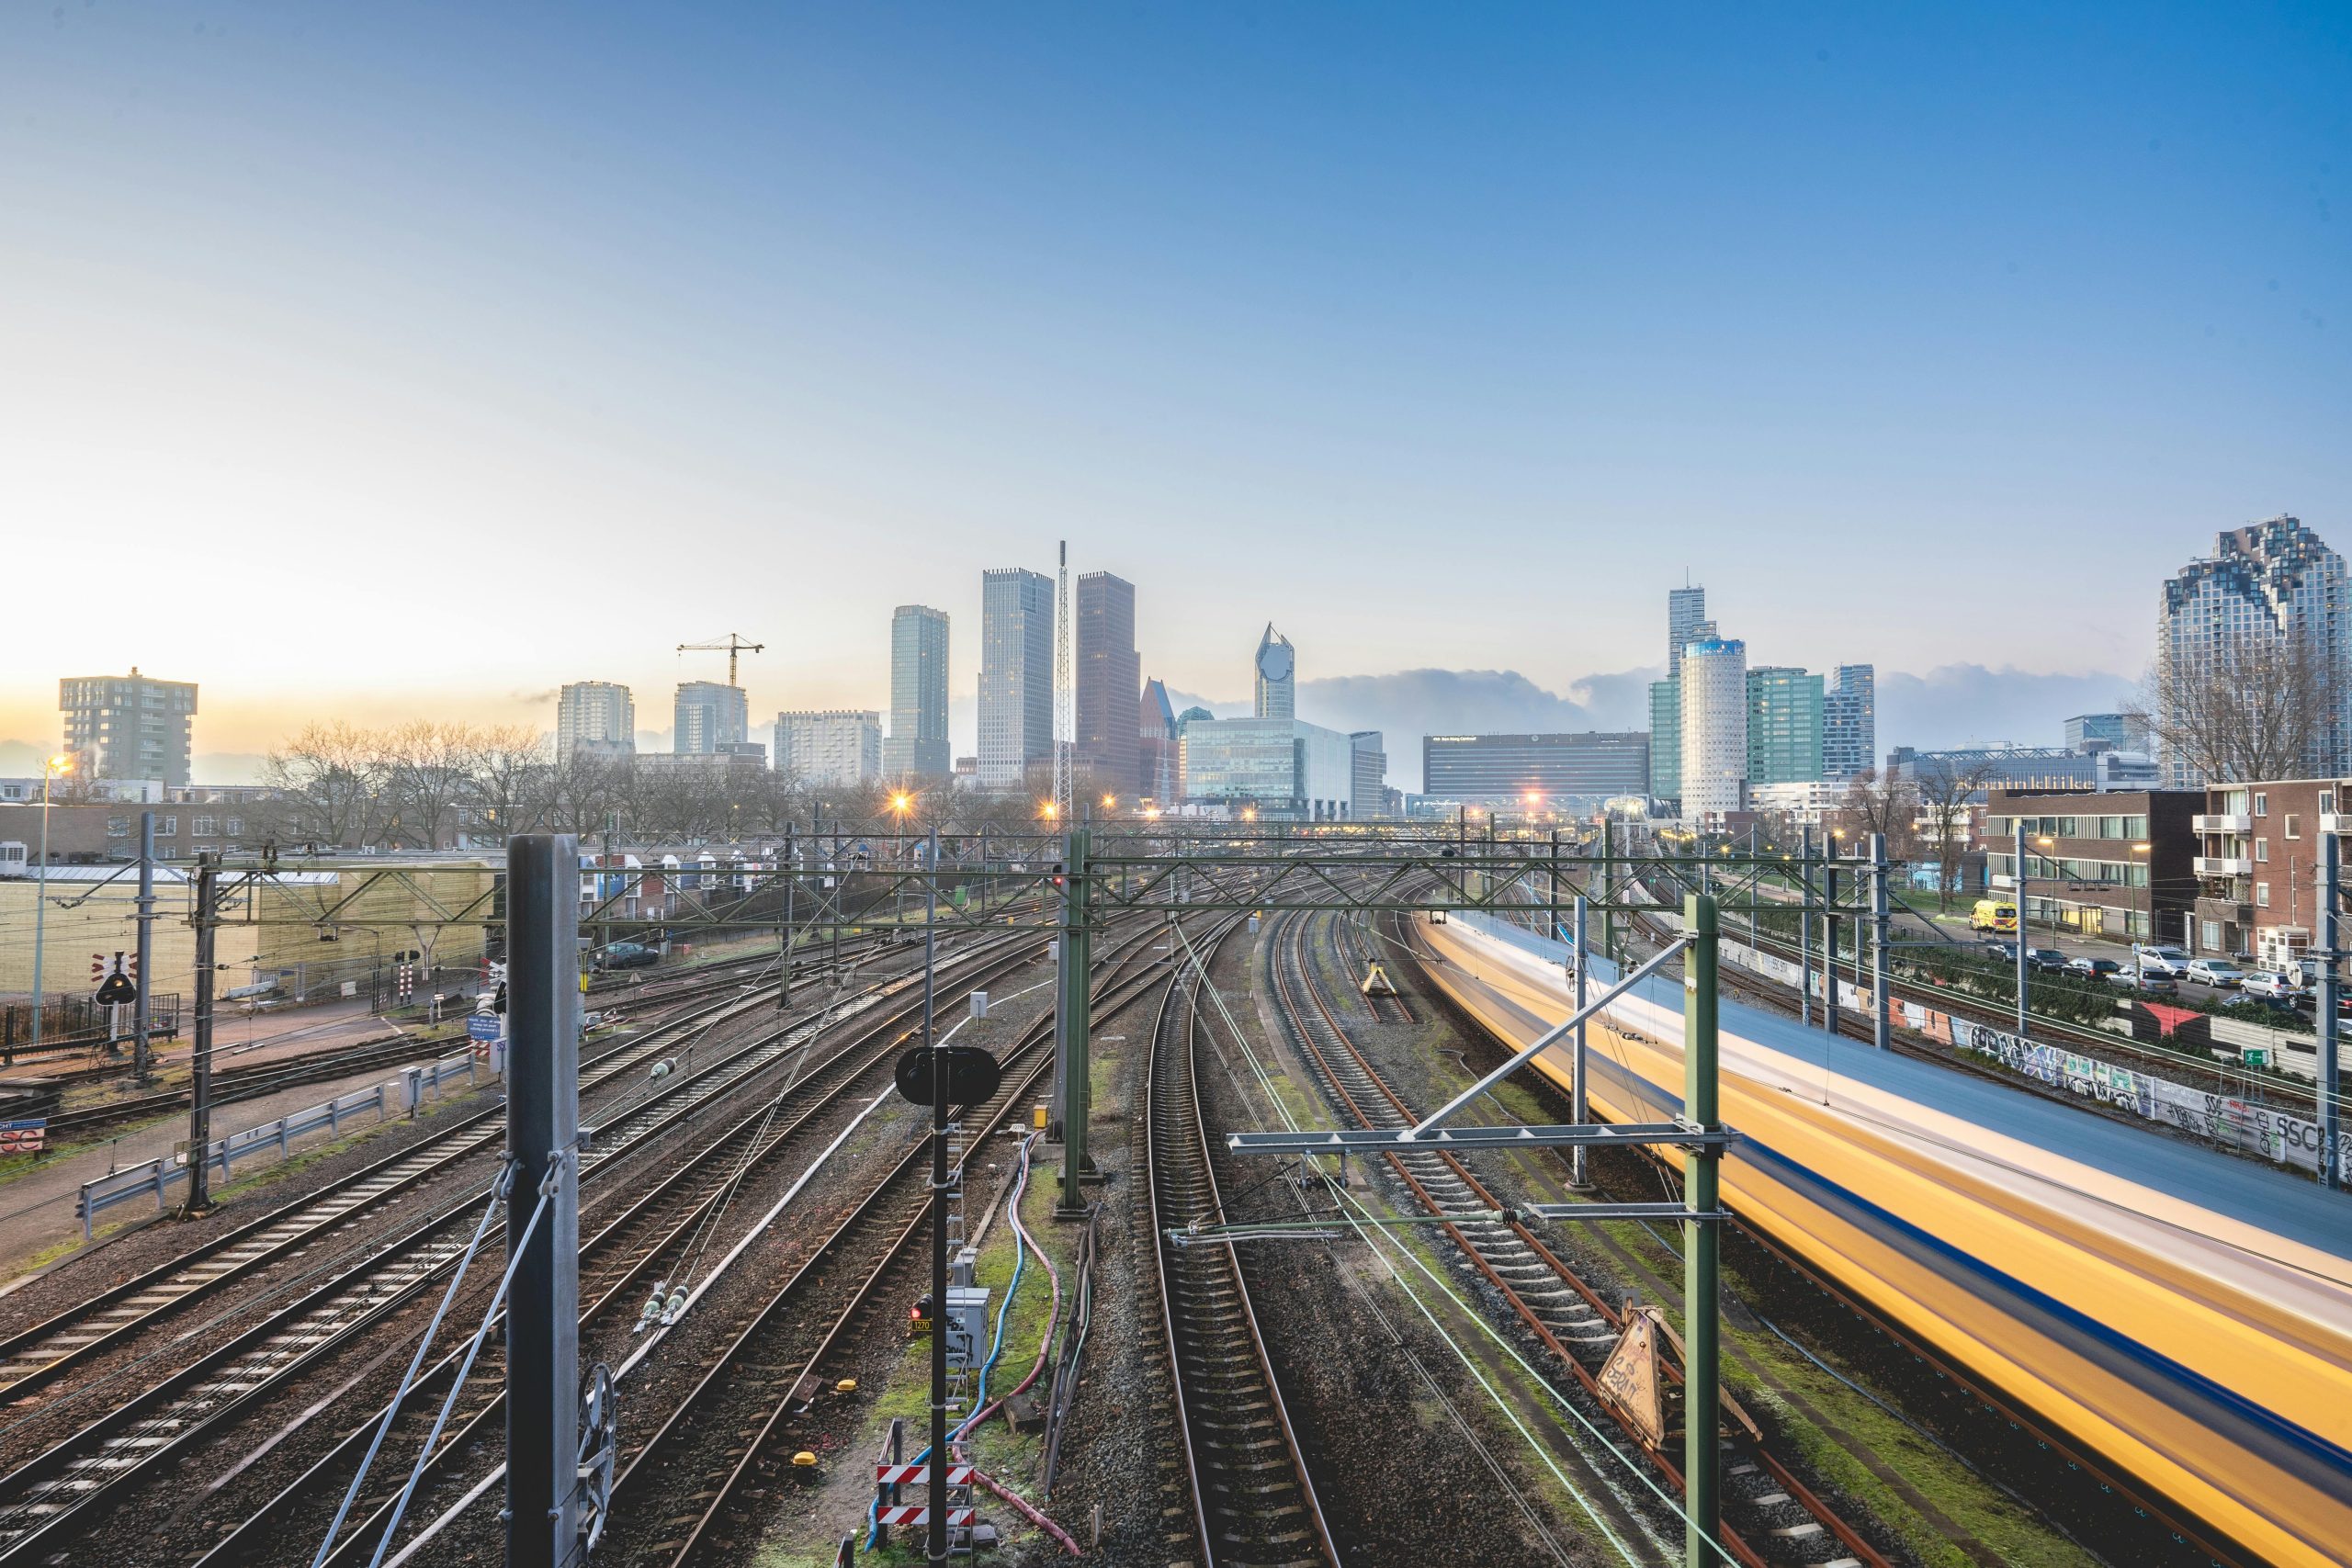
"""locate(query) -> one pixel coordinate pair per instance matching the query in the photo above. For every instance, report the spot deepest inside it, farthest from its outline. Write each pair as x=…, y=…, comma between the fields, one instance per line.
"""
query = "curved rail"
x=1253, y=1499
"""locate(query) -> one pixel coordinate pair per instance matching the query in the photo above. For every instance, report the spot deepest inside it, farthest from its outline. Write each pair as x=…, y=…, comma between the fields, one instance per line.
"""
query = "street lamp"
x=61, y=763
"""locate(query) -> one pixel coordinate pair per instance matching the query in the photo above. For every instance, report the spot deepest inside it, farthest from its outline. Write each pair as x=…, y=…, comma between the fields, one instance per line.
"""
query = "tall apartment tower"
x=595, y=716
x=1277, y=671
x=832, y=747
x=1849, y=722
x=917, y=745
x=129, y=726
x=1016, y=675
x=1109, y=678
x=1714, y=679
x=2271, y=584
x=710, y=717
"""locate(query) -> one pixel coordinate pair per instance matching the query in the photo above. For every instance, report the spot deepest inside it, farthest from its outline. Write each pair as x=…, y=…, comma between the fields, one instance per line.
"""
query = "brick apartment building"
x=2257, y=867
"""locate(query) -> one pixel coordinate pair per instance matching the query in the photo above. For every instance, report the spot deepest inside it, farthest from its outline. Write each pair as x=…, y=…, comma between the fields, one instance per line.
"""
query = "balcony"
x=2221, y=865
x=2222, y=822
x=2229, y=911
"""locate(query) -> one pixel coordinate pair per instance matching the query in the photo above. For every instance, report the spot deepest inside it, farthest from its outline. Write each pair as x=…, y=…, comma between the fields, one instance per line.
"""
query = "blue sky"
x=416, y=359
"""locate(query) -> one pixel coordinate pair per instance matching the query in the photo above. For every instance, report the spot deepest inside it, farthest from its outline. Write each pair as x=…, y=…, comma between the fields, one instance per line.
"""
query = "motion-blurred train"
x=2178, y=1317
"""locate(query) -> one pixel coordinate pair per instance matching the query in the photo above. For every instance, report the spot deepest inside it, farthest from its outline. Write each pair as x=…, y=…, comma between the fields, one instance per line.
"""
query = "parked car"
x=2162, y=960
x=627, y=955
x=2218, y=972
x=2049, y=960
x=2152, y=983
x=2270, y=986
x=2095, y=968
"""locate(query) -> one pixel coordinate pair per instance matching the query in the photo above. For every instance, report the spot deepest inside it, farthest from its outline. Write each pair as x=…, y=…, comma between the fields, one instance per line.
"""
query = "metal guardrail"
x=394, y=1096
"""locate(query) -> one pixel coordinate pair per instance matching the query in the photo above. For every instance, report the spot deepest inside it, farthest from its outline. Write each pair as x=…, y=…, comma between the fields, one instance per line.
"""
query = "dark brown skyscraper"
x=1109, y=679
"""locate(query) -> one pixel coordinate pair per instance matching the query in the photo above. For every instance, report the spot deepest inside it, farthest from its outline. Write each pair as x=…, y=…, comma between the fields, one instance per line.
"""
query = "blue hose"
x=996, y=1349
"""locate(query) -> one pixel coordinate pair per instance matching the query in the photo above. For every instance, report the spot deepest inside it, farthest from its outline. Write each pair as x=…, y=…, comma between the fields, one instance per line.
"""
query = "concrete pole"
x=936, y=1538
x=1830, y=938
x=142, y=1026
x=1579, y=1111
x=1700, y=1193
x=199, y=1115
x=1057, y=1102
x=2330, y=1144
x=1879, y=1010
x=2017, y=892
x=542, y=1139
x=1804, y=926
x=1608, y=888
x=1076, y=1059
x=791, y=885
x=40, y=899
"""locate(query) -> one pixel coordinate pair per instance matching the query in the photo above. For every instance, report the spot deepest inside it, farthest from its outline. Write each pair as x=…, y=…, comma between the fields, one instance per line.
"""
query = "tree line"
x=426, y=785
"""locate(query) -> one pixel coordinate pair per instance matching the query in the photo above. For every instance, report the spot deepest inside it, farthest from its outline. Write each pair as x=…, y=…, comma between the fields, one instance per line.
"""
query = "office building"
x=710, y=717
x=2116, y=865
x=1371, y=773
x=1109, y=679
x=1276, y=767
x=129, y=726
x=595, y=716
x=830, y=748
x=1016, y=676
x=917, y=748
x=1686, y=615
x=1666, y=738
x=1686, y=623
x=1276, y=689
x=1561, y=769
x=1784, y=725
x=2023, y=768
x=2115, y=732
x=1157, y=777
x=2268, y=589
x=1714, y=679
x=1849, y=722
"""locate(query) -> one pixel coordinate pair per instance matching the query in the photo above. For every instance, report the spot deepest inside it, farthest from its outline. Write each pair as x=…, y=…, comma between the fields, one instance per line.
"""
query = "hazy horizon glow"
x=378, y=364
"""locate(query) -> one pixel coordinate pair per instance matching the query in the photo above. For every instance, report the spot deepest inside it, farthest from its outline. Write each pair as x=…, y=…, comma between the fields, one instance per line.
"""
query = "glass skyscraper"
x=1016, y=675
x=1784, y=706
x=917, y=745
x=710, y=717
x=1276, y=692
x=1109, y=678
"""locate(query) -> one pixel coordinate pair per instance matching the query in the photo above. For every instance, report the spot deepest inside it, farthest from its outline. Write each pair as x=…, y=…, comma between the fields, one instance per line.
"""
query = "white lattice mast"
x=1065, y=694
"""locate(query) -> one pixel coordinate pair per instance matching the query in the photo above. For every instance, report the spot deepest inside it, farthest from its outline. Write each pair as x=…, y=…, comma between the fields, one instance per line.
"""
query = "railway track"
x=701, y=1471
x=656, y=1233
x=1771, y=1519
x=1253, y=1498
x=47, y=1496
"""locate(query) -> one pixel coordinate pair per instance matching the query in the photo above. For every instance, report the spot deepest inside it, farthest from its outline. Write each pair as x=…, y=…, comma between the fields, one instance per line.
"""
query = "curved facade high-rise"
x=1714, y=727
x=1277, y=672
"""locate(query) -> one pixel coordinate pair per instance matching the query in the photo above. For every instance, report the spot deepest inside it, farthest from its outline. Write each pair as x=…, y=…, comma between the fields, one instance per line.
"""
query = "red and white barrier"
x=920, y=1474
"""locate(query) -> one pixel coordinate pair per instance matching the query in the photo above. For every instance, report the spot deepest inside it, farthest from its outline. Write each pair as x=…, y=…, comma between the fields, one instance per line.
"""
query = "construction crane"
x=733, y=646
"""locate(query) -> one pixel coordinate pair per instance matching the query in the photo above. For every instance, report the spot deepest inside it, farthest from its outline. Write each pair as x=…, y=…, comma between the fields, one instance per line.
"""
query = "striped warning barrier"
x=920, y=1474
x=911, y=1514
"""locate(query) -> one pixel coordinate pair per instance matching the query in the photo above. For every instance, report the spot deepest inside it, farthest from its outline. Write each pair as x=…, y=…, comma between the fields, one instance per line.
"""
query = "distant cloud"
x=656, y=739
x=535, y=699
x=1962, y=704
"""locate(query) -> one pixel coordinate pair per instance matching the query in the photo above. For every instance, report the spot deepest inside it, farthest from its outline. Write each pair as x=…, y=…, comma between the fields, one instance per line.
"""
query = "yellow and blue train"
x=2181, y=1318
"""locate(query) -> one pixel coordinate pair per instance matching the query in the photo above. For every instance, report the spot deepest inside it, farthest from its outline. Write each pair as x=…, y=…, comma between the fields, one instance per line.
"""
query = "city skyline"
x=2101, y=322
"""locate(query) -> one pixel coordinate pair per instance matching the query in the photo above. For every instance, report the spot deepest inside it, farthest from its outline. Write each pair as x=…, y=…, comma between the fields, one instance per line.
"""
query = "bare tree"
x=511, y=789
x=326, y=778
x=1946, y=802
x=428, y=773
x=1884, y=803
x=2254, y=707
